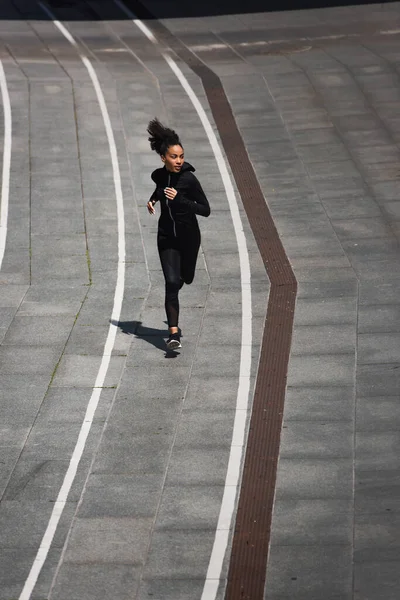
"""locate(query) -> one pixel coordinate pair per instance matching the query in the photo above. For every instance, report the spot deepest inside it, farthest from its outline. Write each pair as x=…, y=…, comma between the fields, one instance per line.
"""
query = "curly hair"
x=161, y=138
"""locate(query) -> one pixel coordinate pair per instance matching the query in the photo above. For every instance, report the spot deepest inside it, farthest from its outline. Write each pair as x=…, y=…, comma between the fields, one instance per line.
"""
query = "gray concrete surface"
x=315, y=95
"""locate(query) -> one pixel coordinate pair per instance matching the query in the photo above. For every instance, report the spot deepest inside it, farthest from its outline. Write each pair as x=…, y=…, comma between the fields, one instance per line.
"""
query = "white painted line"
x=118, y=297
x=390, y=32
x=208, y=47
x=242, y=400
x=5, y=185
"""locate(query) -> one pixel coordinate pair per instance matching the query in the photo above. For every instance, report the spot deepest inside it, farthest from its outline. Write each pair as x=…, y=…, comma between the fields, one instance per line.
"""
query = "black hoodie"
x=179, y=215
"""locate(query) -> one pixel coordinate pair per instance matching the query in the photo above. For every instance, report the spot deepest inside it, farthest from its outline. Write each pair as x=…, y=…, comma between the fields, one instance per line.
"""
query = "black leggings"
x=178, y=258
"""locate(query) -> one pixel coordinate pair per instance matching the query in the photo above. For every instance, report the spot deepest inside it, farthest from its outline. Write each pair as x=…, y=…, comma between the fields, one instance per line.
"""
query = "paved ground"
x=316, y=96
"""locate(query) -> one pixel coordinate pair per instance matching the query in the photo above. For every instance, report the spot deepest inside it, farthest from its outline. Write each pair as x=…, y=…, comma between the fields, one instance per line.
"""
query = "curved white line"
x=118, y=297
x=5, y=186
x=224, y=525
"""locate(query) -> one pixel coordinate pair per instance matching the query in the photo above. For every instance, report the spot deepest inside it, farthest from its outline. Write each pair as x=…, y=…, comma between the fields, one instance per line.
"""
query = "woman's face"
x=174, y=158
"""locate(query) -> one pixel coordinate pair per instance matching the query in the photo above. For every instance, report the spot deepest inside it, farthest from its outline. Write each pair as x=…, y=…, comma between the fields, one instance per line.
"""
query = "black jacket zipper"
x=169, y=208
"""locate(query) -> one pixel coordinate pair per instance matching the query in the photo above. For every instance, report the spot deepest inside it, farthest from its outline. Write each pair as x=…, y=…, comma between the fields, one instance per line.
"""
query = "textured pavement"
x=316, y=96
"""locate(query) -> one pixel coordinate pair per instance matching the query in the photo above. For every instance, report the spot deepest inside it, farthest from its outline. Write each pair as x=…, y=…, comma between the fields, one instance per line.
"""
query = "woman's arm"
x=198, y=203
x=153, y=196
x=151, y=203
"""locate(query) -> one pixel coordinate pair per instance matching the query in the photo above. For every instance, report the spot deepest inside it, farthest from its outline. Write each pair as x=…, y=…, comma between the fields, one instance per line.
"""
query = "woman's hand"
x=170, y=193
x=150, y=207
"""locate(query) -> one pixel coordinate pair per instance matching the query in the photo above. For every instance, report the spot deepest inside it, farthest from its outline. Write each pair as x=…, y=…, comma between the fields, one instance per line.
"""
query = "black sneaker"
x=174, y=341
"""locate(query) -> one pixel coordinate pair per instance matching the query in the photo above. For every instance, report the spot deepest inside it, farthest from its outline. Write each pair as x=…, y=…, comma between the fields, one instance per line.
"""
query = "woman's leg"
x=171, y=265
x=189, y=250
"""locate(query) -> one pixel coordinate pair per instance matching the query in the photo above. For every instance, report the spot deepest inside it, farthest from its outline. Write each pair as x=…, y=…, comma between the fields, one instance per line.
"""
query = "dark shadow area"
x=80, y=10
x=155, y=337
x=163, y=9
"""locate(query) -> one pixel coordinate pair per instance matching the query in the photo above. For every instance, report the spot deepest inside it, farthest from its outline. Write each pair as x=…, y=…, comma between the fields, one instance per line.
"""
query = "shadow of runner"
x=155, y=337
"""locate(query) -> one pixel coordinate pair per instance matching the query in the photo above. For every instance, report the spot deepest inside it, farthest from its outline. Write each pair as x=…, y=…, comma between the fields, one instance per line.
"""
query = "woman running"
x=178, y=239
